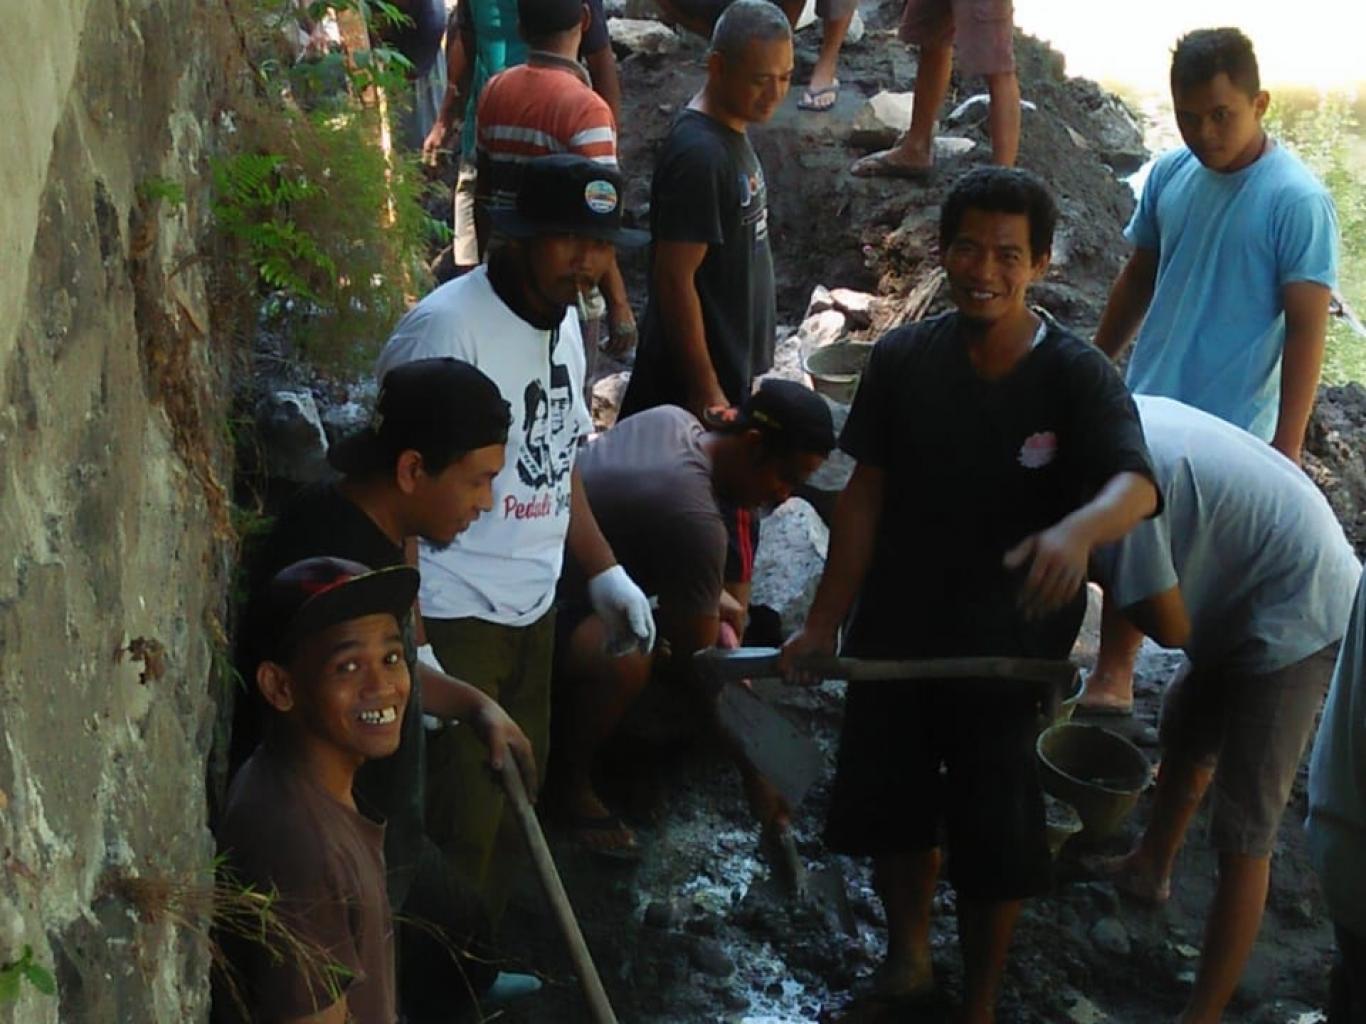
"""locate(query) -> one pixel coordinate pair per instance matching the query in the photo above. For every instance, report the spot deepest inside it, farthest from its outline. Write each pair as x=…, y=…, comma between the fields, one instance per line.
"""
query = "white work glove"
x=624, y=609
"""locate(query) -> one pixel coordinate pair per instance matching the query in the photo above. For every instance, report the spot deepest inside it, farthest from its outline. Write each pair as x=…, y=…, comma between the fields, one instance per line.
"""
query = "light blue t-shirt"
x=1336, y=828
x=1262, y=562
x=1227, y=244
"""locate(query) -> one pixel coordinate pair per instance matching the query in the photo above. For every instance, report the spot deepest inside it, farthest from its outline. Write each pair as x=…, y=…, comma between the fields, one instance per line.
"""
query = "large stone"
x=857, y=307
x=292, y=436
x=974, y=110
x=344, y=419
x=792, y=547
x=879, y=121
x=1110, y=936
x=607, y=395
x=641, y=35
x=883, y=119
x=822, y=329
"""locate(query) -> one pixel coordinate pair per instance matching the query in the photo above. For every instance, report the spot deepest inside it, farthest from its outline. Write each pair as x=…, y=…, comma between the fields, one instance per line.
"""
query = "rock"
x=857, y=307
x=787, y=359
x=821, y=300
x=343, y=420
x=974, y=110
x=1104, y=897
x=709, y=958
x=292, y=436
x=821, y=329
x=733, y=1000
x=1117, y=136
x=1110, y=936
x=881, y=120
x=660, y=914
x=607, y=395
x=641, y=35
x=618, y=9
x=856, y=31
x=792, y=547
x=1078, y=139
x=702, y=924
x=1083, y=1011
x=1147, y=737
x=641, y=10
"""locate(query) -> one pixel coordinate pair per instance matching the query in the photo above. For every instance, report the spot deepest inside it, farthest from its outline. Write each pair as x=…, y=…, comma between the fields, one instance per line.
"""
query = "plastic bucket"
x=1095, y=770
x=835, y=368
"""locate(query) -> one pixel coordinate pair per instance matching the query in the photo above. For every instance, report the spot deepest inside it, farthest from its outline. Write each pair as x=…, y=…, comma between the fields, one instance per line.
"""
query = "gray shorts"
x=1252, y=730
x=982, y=31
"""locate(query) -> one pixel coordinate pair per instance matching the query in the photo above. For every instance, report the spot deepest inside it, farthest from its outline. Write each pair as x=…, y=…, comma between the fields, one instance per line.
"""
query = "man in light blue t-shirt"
x=1266, y=577
x=1229, y=282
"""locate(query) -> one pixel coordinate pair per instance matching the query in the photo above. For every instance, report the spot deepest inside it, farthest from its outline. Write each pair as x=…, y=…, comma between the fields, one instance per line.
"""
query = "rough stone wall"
x=112, y=432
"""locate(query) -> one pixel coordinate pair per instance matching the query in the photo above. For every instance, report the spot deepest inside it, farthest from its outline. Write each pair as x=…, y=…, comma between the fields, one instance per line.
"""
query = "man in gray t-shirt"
x=1249, y=572
x=654, y=482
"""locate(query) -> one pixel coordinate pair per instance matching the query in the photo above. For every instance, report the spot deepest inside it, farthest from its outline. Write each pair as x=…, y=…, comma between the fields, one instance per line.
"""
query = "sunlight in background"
x=1314, y=43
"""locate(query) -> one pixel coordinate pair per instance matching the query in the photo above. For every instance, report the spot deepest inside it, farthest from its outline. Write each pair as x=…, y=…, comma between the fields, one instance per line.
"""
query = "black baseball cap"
x=540, y=18
x=309, y=596
x=790, y=414
x=568, y=194
x=429, y=405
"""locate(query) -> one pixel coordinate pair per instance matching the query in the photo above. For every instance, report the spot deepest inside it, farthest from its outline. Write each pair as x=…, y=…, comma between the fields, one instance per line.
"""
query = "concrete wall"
x=110, y=525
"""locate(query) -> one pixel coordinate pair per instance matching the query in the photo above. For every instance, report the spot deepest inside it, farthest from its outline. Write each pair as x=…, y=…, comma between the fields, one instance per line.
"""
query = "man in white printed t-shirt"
x=487, y=598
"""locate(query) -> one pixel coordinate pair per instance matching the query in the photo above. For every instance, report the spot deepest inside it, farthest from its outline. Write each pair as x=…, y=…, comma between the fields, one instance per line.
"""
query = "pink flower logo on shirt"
x=1039, y=450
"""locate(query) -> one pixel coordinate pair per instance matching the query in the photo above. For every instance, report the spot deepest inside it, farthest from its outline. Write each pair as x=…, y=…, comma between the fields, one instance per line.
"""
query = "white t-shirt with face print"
x=504, y=568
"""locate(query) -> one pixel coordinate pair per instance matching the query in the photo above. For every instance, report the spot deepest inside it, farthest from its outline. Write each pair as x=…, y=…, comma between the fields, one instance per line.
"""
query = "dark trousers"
x=444, y=961
x=1347, y=996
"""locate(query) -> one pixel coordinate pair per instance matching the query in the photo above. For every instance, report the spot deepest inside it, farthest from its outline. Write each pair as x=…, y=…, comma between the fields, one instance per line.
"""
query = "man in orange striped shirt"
x=546, y=105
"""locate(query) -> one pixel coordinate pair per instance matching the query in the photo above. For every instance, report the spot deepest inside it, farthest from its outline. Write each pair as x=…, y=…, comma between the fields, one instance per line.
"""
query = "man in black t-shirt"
x=994, y=451
x=423, y=468
x=709, y=322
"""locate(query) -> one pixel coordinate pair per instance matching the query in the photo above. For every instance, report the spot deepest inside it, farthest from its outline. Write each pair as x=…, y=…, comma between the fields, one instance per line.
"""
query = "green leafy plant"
x=16, y=972
x=152, y=189
x=330, y=224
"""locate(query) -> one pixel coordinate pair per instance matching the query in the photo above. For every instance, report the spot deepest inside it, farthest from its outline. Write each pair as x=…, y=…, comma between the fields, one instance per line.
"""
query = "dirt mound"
x=1335, y=456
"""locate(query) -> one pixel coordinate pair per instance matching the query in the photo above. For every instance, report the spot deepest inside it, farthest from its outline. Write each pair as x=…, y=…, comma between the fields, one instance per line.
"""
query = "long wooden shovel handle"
x=587, y=972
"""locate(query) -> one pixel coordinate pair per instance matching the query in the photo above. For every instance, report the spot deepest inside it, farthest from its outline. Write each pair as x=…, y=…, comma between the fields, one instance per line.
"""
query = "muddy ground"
x=697, y=931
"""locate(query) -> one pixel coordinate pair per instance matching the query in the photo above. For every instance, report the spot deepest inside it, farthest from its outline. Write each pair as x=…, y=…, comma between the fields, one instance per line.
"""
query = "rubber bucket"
x=1098, y=772
x=835, y=368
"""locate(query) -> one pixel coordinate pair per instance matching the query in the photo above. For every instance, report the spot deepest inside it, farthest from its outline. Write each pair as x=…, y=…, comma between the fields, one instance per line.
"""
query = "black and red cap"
x=311, y=595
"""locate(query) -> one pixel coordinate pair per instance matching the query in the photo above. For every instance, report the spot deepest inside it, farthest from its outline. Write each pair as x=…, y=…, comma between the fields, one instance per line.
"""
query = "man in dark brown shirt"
x=337, y=684
x=655, y=482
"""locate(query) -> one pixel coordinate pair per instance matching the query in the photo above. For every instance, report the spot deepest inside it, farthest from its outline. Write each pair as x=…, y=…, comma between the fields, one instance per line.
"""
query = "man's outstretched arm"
x=1306, y=329
x=685, y=334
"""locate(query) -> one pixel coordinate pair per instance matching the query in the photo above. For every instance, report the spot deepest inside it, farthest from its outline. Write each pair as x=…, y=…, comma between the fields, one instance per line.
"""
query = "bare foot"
x=596, y=828
x=1133, y=877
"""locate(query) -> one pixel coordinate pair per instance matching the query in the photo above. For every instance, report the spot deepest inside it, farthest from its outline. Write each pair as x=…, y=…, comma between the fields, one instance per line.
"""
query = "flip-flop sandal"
x=1106, y=868
x=811, y=98
x=629, y=849
x=877, y=165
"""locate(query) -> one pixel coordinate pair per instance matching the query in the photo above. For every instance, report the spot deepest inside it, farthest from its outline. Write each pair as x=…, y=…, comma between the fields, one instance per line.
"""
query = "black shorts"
x=742, y=542
x=891, y=797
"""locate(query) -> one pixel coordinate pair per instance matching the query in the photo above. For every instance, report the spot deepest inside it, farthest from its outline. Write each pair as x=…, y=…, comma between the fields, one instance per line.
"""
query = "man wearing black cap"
x=423, y=468
x=336, y=683
x=487, y=599
x=654, y=482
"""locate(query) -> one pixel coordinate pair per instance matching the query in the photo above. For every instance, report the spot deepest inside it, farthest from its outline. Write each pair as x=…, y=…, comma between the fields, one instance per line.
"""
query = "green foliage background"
x=1328, y=137
x=332, y=230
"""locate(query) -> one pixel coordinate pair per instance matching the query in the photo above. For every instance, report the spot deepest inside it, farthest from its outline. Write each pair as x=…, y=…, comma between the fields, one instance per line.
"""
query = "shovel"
x=791, y=760
x=596, y=996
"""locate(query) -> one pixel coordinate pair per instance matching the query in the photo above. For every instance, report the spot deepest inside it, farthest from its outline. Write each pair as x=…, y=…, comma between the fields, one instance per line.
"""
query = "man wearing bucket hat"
x=423, y=467
x=1265, y=581
x=488, y=598
x=336, y=683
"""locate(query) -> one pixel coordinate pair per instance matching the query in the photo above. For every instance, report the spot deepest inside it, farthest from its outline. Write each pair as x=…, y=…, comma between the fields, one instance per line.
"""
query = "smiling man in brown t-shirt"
x=337, y=684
